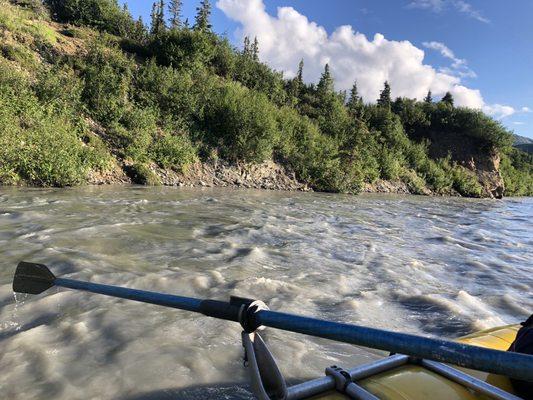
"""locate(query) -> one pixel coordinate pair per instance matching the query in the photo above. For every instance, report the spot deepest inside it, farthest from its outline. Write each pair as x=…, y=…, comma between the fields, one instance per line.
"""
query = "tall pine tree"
x=448, y=99
x=158, y=17
x=355, y=102
x=385, y=96
x=203, y=13
x=246, y=48
x=325, y=85
x=174, y=8
x=300, y=75
x=255, y=49
x=428, y=99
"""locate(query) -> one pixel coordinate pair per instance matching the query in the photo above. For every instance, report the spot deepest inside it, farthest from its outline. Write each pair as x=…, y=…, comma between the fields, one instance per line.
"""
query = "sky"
x=479, y=50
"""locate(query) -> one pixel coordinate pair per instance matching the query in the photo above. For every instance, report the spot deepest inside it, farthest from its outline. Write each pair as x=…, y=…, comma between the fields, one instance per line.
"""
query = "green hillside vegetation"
x=83, y=84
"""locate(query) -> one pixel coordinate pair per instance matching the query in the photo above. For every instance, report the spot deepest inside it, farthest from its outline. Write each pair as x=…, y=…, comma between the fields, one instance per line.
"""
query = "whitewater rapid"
x=432, y=266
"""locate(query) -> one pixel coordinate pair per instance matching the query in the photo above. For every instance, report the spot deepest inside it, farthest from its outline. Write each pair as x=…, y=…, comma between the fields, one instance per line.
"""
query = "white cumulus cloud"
x=499, y=111
x=289, y=36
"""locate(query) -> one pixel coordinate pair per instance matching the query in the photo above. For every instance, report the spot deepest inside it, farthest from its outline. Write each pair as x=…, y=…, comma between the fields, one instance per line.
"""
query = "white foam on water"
x=435, y=266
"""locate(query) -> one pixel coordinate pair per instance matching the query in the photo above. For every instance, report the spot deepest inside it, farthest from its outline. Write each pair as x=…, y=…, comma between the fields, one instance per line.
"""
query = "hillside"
x=519, y=140
x=88, y=95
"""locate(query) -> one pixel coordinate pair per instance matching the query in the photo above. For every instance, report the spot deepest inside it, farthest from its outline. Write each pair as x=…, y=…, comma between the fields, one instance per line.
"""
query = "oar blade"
x=32, y=278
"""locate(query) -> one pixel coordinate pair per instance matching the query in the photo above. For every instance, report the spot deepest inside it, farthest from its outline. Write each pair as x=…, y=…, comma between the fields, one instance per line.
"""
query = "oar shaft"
x=516, y=365
x=167, y=300
x=519, y=366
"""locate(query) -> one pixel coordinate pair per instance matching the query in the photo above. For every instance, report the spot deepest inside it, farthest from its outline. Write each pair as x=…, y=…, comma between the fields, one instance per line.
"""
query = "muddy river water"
x=432, y=266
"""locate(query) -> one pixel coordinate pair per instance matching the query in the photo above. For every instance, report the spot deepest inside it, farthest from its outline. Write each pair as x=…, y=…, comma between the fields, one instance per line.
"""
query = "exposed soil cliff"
x=483, y=161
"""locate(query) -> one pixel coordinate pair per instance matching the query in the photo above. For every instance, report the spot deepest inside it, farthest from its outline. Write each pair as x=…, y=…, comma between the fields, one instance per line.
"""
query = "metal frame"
x=316, y=386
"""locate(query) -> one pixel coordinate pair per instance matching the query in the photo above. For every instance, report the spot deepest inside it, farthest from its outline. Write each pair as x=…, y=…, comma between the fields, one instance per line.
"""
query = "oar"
x=36, y=278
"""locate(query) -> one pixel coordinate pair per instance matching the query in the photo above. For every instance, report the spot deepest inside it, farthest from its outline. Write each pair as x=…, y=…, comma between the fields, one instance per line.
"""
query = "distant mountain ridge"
x=519, y=140
x=523, y=143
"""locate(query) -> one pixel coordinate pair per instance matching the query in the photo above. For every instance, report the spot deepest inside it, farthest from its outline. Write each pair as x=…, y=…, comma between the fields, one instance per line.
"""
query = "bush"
x=107, y=73
x=39, y=143
x=142, y=174
x=240, y=122
x=517, y=171
x=173, y=151
x=465, y=182
x=314, y=157
x=415, y=183
x=390, y=164
x=436, y=176
x=175, y=93
x=184, y=48
x=104, y=15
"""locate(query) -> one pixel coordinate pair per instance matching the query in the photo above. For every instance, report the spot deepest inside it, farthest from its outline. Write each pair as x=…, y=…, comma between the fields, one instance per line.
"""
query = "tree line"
x=172, y=93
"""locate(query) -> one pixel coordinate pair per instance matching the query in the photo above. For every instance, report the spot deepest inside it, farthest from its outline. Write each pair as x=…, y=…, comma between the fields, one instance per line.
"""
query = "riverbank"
x=267, y=175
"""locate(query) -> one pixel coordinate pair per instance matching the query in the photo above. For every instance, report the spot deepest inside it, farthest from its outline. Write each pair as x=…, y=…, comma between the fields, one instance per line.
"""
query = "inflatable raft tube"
x=414, y=382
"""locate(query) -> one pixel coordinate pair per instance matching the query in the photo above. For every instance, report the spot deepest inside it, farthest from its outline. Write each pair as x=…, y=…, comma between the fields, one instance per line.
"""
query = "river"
x=432, y=266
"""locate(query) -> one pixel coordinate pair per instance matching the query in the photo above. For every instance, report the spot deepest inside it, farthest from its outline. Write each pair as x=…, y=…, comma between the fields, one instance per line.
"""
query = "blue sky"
x=480, y=50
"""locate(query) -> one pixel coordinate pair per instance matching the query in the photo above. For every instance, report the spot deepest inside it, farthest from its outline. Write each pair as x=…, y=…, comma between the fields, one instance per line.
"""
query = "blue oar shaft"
x=519, y=366
x=516, y=365
x=167, y=300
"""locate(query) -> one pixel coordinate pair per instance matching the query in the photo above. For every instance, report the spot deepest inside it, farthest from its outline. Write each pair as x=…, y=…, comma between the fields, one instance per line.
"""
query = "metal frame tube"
x=320, y=385
x=468, y=381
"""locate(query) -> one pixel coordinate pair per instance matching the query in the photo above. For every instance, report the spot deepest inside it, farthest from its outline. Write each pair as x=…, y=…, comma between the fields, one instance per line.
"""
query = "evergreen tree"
x=139, y=30
x=355, y=102
x=385, y=96
x=447, y=99
x=158, y=17
x=428, y=99
x=300, y=75
x=255, y=49
x=203, y=14
x=296, y=84
x=325, y=85
x=174, y=8
x=246, y=48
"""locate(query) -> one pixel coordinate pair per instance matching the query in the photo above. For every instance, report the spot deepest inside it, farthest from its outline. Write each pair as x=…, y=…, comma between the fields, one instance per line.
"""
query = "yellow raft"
x=414, y=382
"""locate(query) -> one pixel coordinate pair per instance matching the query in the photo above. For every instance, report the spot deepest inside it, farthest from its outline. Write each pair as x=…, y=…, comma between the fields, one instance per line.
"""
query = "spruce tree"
x=246, y=47
x=385, y=96
x=139, y=30
x=355, y=102
x=428, y=99
x=202, y=16
x=158, y=17
x=174, y=8
x=255, y=49
x=447, y=99
x=300, y=75
x=325, y=85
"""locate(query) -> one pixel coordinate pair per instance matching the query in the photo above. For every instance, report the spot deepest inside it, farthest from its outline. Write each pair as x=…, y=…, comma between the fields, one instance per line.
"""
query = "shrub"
x=38, y=143
x=104, y=15
x=517, y=171
x=142, y=174
x=107, y=73
x=465, y=182
x=390, y=164
x=415, y=183
x=173, y=151
x=184, y=48
x=240, y=123
x=436, y=176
